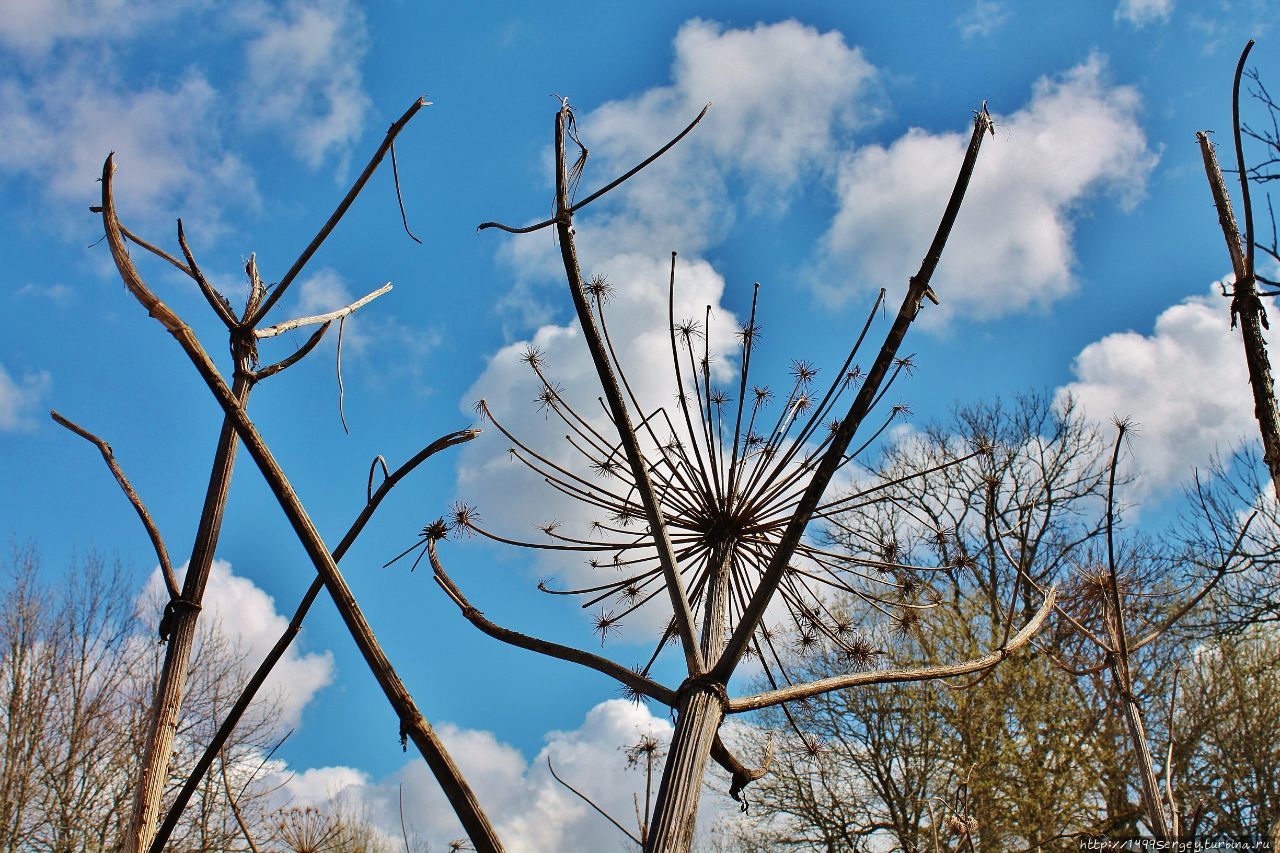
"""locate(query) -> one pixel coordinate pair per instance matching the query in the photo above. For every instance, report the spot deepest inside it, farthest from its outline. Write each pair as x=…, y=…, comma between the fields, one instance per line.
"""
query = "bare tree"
x=868, y=766
x=78, y=671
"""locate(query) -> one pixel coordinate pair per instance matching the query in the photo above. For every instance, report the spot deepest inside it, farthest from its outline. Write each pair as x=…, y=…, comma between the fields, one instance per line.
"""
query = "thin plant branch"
x=589, y=802
x=157, y=541
x=339, y=314
x=339, y=212
x=607, y=187
x=897, y=676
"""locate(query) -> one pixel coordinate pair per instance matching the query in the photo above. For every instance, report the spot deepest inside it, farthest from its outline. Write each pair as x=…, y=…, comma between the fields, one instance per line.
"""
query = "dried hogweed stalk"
x=729, y=466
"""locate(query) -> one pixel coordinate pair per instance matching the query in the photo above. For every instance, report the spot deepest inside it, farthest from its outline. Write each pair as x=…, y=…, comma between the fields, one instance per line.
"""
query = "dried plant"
x=178, y=624
x=706, y=507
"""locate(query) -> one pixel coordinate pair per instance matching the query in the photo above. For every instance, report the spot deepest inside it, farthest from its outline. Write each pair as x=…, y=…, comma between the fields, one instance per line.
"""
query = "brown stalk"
x=157, y=542
x=235, y=808
x=1245, y=303
x=617, y=406
x=339, y=212
x=897, y=676
x=832, y=459
x=181, y=614
x=412, y=721
x=250, y=690
x=627, y=677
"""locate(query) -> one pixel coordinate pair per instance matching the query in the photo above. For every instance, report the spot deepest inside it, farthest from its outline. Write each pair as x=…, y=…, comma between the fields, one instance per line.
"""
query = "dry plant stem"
x=235, y=809
x=607, y=187
x=589, y=802
x=411, y=720
x=250, y=691
x=281, y=328
x=703, y=704
x=618, y=409
x=1121, y=673
x=627, y=677
x=339, y=212
x=163, y=722
x=1245, y=302
x=157, y=542
x=898, y=676
x=917, y=288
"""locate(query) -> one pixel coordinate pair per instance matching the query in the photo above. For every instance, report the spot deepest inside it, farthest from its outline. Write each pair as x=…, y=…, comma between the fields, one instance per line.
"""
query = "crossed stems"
x=244, y=334
x=686, y=502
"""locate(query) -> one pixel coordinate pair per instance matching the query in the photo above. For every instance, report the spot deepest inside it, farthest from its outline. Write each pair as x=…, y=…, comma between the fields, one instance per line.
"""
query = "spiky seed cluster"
x=728, y=466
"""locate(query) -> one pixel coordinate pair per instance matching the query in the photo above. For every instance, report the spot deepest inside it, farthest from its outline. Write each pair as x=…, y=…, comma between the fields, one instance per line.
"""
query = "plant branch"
x=917, y=289
x=595, y=195
x=630, y=678
x=339, y=212
x=294, y=357
x=588, y=801
x=896, y=676
x=157, y=542
x=281, y=328
x=618, y=410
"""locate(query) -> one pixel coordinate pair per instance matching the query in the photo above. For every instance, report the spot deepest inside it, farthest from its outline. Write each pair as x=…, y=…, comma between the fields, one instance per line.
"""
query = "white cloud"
x=1139, y=13
x=18, y=399
x=303, y=78
x=1011, y=249
x=59, y=128
x=246, y=616
x=1185, y=386
x=530, y=810
x=58, y=294
x=983, y=19
x=33, y=27
x=785, y=98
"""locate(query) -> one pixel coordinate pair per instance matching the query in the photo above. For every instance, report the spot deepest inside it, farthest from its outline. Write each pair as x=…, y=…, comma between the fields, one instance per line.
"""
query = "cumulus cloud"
x=19, y=398
x=241, y=613
x=58, y=129
x=303, y=78
x=1011, y=249
x=1139, y=13
x=531, y=811
x=33, y=27
x=73, y=97
x=1185, y=385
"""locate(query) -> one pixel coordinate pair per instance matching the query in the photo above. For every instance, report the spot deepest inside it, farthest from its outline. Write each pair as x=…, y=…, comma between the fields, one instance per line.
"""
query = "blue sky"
x=1083, y=260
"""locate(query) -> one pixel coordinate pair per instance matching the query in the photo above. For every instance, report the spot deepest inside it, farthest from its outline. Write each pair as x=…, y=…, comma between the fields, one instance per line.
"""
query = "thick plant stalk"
x=618, y=407
x=412, y=723
x=1245, y=303
x=181, y=617
x=214, y=748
